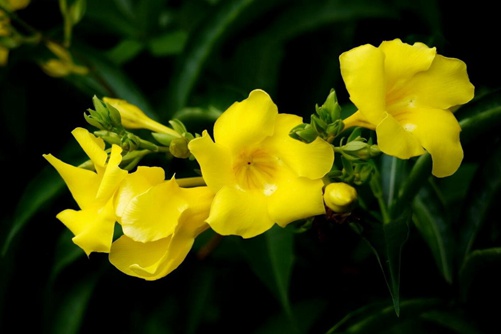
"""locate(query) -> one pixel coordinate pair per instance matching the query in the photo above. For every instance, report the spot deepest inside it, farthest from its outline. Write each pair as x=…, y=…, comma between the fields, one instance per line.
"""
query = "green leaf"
x=42, y=189
x=169, y=43
x=125, y=51
x=386, y=241
x=477, y=264
x=66, y=253
x=71, y=307
x=108, y=79
x=481, y=197
x=456, y=321
x=429, y=216
x=271, y=257
x=480, y=116
x=379, y=317
x=198, y=50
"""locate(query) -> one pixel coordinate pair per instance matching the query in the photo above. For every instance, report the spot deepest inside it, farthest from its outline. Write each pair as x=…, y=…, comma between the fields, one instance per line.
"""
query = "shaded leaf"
x=477, y=264
x=482, y=194
x=70, y=310
x=430, y=218
x=386, y=242
x=380, y=317
x=271, y=257
x=42, y=189
x=199, y=47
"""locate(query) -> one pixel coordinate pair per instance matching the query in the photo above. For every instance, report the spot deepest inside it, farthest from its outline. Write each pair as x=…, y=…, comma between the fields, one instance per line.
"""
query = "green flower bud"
x=179, y=148
x=304, y=132
x=340, y=197
x=330, y=111
x=164, y=138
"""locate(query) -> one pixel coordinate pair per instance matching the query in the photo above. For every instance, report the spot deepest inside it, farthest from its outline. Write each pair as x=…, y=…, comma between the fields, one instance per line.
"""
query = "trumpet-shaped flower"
x=260, y=175
x=134, y=118
x=93, y=224
x=160, y=221
x=407, y=94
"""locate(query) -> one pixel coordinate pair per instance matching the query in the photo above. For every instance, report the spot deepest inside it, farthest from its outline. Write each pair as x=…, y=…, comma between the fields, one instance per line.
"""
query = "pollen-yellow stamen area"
x=255, y=169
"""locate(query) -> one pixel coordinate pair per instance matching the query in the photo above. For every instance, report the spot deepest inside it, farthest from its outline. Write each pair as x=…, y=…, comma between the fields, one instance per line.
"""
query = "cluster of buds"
x=326, y=123
x=112, y=118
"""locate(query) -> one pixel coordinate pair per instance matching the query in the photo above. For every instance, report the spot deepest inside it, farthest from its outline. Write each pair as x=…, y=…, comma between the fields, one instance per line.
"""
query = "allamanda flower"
x=160, y=221
x=93, y=224
x=407, y=94
x=260, y=175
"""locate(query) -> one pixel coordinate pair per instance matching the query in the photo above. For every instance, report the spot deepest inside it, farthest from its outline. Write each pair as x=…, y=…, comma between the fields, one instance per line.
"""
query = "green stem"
x=375, y=184
x=417, y=177
x=191, y=181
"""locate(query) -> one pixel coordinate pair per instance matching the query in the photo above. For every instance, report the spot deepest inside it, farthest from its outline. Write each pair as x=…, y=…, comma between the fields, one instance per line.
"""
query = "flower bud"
x=179, y=148
x=340, y=197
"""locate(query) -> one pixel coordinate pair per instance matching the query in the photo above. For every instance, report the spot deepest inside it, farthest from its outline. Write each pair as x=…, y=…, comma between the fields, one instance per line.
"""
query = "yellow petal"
x=444, y=85
x=82, y=183
x=156, y=259
x=438, y=131
x=236, y=212
x=92, y=146
x=394, y=140
x=130, y=257
x=362, y=69
x=112, y=176
x=136, y=183
x=134, y=118
x=295, y=198
x=154, y=214
x=403, y=61
x=93, y=227
x=312, y=160
x=247, y=122
x=215, y=161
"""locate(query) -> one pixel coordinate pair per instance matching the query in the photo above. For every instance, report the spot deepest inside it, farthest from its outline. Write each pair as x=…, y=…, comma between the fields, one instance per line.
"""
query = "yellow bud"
x=135, y=118
x=4, y=55
x=340, y=197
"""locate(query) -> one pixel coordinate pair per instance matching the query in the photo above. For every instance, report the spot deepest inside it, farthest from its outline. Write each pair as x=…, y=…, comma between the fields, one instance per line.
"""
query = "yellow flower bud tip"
x=340, y=197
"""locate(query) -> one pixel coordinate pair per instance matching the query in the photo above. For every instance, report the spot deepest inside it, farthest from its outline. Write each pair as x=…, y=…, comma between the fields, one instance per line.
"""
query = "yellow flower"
x=4, y=55
x=94, y=223
x=135, y=118
x=406, y=93
x=63, y=65
x=160, y=221
x=261, y=176
x=340, y=197
x=14, y=5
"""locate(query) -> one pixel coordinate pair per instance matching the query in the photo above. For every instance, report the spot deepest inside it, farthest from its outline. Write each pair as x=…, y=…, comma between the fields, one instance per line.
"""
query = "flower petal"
x=394, y=140
x=438, y=131
x=215, y=161
x=403, y=61
x=154, y=214
x=295, y=198
x=92, y=146
x=132, y=257
x=82, y=183
x=112, y=175
x=444, y=85
x=93, y=228
x=136, y=183
x=236, y=212
x=246, y=122
x=362, y=69
x=312, y=160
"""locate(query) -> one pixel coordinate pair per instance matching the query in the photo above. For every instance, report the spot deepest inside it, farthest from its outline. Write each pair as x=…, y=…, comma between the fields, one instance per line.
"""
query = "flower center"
x=256, y=170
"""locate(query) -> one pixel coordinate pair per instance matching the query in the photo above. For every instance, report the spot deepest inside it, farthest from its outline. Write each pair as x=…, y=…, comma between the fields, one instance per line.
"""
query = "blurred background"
x=190, y=59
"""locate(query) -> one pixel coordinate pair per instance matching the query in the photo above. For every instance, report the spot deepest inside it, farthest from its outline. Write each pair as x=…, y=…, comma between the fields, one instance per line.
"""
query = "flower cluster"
x=258, y=167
